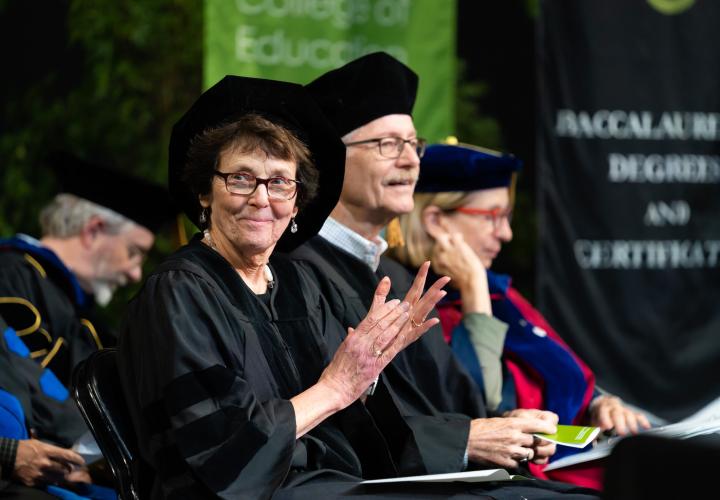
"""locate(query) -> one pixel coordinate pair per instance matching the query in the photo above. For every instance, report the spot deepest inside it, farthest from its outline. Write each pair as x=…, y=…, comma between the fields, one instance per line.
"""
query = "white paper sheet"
x=475, y=476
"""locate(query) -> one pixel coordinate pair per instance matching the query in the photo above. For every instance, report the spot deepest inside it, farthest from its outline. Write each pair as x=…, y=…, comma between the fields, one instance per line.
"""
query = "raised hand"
x=453, y=257
x=367, y=350
x=386, y=330
x=363, y=354
x=421, y=305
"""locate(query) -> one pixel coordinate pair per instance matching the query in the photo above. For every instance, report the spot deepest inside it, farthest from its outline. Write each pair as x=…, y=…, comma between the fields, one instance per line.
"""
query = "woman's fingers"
x=428, y=301
x=379, y=308
x=386, y=330
x=387, y=325
x=418, y=285
x=373, y=317
x=381, y=293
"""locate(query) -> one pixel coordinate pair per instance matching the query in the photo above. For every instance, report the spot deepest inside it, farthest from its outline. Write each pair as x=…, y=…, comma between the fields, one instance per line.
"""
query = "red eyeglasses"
x=496, y=215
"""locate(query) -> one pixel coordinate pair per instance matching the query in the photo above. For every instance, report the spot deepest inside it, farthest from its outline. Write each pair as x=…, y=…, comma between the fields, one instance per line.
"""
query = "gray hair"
x=67, y=214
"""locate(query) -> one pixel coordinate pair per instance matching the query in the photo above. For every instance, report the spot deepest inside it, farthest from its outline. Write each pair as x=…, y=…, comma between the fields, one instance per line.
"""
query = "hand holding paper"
x=571, y=435
x=608, y=412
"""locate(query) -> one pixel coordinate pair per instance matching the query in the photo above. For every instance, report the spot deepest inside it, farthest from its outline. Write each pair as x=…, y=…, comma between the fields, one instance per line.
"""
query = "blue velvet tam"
x=465, y=168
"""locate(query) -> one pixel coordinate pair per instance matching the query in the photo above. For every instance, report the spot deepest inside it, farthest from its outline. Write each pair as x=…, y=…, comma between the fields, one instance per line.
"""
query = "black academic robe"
x=50, y=412
x=208, y=369
x=42, y=300
x=435, y=394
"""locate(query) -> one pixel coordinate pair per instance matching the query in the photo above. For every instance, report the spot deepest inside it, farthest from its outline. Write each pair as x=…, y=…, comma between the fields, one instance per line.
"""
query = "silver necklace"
x=266, y=269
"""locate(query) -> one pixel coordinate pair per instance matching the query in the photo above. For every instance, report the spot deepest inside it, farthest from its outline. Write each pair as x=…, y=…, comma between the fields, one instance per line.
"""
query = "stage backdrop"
x=629, y=202
x=298, y=40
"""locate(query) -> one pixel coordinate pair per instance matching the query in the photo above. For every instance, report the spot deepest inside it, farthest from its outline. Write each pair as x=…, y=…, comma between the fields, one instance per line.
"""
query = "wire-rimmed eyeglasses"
x=278, y=187
x=392, y=147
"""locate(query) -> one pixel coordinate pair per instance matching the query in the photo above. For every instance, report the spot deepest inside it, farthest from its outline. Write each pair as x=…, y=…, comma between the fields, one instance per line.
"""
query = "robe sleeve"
x=201, y=424
x=487, y=336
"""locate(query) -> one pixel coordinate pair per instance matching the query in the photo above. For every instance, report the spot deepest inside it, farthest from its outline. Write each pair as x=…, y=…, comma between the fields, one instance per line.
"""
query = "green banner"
x=298, y=40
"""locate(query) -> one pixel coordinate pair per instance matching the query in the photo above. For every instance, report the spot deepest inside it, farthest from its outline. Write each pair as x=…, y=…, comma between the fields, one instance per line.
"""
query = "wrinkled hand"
x=453, y=257
x=39, y=463
x=506, y=441
x=385, y=331
x=608, y=412
x=421, y=305
x=364, y=353
x=542, y=450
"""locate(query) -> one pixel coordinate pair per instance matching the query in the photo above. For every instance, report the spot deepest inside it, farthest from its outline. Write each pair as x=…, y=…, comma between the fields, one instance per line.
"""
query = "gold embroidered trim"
x=52, y=354
x=37, y=354
x=36, y=265
x=93, y=332
x=46, y=334
x=28, y=304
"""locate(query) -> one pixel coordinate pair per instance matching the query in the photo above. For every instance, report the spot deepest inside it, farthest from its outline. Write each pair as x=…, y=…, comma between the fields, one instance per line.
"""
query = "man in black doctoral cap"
x=96, y=233
x=370, y=101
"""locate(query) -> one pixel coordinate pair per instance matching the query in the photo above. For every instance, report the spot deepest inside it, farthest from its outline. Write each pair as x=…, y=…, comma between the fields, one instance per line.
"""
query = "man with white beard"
x=95, y=235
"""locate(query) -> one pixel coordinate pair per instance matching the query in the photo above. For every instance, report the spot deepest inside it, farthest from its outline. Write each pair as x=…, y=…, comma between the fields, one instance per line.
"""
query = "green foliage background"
x=106, y=80
x=114, y=77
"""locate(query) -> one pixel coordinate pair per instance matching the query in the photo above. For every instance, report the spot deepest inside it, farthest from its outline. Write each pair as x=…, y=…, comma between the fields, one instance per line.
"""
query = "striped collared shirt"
x=363, y=249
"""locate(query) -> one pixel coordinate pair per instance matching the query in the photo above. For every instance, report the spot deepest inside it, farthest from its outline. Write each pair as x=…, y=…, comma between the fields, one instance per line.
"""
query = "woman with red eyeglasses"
x=461, y=219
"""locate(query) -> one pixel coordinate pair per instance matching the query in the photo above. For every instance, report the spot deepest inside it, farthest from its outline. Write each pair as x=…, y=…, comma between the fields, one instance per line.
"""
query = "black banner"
x=629, y=193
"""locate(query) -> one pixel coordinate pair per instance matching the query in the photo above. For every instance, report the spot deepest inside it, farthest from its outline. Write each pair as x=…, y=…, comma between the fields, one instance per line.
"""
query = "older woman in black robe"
x=225, y=355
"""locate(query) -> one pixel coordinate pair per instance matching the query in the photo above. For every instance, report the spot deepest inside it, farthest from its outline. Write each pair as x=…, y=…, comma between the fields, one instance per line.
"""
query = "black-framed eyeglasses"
x=278, y=187
x=392, y=147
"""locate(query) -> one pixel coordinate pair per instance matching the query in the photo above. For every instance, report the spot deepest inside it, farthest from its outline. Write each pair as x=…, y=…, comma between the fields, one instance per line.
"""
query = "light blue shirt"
x=359, y=247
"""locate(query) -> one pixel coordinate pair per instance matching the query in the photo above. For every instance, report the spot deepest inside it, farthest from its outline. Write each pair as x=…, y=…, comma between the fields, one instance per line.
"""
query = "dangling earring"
x=293, y=226
x=203, y=216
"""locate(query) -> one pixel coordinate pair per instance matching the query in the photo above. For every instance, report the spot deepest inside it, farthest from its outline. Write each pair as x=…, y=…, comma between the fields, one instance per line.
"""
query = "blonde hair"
x=418, y=243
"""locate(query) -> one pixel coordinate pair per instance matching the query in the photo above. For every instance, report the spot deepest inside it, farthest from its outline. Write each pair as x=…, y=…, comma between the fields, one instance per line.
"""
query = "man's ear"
x=432, y=219
x=91, y=230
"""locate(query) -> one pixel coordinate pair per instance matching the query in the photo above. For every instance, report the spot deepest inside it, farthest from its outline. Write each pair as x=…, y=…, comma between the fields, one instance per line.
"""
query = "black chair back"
x=647, y=467
x=98, y=394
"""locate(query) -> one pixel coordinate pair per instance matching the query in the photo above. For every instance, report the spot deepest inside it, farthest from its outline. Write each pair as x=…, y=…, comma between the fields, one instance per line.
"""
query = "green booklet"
x=576, y=436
